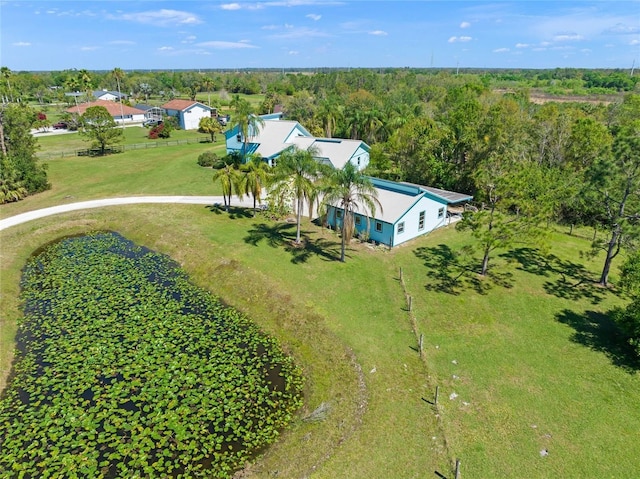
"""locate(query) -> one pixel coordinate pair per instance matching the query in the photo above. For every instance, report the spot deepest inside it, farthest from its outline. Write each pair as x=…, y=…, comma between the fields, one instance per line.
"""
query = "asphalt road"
x=54, y=210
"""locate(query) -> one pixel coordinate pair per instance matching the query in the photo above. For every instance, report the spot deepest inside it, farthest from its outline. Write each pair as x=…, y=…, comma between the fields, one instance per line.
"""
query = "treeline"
x=49, y=87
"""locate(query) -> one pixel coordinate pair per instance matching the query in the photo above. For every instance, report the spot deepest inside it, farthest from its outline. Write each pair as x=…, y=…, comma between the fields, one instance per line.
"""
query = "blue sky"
x=102, y=35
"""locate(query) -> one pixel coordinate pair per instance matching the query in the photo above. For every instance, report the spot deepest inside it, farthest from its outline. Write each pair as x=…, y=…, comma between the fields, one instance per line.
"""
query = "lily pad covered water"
x=126, y=369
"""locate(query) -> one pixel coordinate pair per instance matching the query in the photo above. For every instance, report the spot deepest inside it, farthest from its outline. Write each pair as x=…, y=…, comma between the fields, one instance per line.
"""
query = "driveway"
x=132, y=200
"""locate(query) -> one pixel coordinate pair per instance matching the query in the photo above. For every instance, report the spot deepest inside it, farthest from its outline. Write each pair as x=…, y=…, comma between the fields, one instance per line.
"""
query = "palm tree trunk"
x=299, y=219
x=344, y=241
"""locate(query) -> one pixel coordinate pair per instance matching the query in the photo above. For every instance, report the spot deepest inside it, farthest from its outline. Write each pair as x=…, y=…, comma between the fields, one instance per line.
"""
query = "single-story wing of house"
x=408, y=211
x=121, y=113
x=188, y=112
x=275, y=135
x=152, y=113
x=109, y=95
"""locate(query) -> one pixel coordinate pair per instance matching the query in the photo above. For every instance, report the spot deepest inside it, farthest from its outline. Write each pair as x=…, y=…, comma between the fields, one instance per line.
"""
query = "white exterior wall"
x=411, y=219
x=192, y=116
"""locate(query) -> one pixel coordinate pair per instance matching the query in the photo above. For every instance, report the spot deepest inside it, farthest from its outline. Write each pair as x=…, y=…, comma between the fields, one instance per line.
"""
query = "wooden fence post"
x=410, y=303
x=457, y=469
x=435, y=399
x=421, y=342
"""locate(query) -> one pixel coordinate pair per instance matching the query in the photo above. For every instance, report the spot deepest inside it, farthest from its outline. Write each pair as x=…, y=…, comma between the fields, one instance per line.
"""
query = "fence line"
x=134, y=146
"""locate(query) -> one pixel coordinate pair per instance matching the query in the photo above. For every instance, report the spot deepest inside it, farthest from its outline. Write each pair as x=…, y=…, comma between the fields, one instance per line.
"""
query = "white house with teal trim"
x=276, y=135
x=408, y=211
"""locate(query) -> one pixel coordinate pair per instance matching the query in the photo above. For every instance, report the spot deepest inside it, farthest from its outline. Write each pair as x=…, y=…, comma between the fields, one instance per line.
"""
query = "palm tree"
x=248, y=122
x=228, y=177
x=351, y=191
x=118, y=74
x=86, y=83
x=328, y=113
x=6, y=74
x=207, y=84
x=255, y=178
x=73, y=84
x=298, y=170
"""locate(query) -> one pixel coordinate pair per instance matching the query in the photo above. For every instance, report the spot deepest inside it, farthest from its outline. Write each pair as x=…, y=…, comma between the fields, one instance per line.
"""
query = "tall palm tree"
x=86, y=83
x=351, y=191
x=248, y=122
x=207, y=84
x=73, y=84
x=255, y=177
x=228, y=178
x=328, y=113
x=118, y=74
x=6, y=74
x=297, y=169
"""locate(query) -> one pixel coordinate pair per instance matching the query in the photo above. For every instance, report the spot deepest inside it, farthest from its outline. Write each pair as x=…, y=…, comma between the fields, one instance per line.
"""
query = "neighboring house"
x=121, y=113
x=188, y=112
x=275, y=136
x=109, y=95
x=408, y=211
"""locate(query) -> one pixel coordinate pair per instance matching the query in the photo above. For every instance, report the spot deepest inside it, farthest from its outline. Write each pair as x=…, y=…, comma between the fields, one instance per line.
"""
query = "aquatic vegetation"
x=126, y=369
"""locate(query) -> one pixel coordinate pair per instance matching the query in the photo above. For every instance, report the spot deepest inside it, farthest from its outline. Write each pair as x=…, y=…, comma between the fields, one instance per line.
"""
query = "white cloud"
x=299, y=33
x=522, y=45
x=459, y=39
x=501, y=50
x=165, y=49
x=294, y=52
x=623, y=29
x=231, y=6
x=314, y=16
x=189, y=39
x=634, y=42
x=162, y=18
x=465, y=25
x=121, y=42
x=21, y=44
x=270, y=27
x=568, y=37
x=380, y=33
x=88, y=49
x=221, y=45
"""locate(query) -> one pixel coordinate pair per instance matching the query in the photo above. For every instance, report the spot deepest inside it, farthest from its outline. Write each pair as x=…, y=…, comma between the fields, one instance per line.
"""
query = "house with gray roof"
x=408, y=211
x=275, y=135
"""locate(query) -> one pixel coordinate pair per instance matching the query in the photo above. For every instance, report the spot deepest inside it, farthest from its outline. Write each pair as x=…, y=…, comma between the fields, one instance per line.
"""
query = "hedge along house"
x=188, y=112
x=275, y=135
x=408, y=211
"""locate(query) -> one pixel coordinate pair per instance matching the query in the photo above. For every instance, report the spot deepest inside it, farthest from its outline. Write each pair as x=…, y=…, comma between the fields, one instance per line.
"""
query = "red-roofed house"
x=188, y=112
x=121, y=113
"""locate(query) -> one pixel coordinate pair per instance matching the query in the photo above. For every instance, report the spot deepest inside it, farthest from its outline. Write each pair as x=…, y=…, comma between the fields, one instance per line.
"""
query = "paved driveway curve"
x=131, y=200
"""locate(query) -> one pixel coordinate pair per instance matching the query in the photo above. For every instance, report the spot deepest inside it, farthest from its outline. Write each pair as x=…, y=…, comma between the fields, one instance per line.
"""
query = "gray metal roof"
x=451, y=197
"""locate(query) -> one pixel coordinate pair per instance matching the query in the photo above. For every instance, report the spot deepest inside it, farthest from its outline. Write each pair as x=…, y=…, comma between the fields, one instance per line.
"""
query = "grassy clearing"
x=537, y=363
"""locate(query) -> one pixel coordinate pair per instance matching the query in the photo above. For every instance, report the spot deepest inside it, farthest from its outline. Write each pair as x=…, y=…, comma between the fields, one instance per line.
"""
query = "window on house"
x=440, y=212
x=421, y=221
x=358, y=161
x=338, y=214
x=358, y=220
x=378, y=227
x=401, y=228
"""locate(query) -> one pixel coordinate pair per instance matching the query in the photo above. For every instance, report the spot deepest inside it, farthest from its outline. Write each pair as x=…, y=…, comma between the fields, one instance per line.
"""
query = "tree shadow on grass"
x=283, y=235
x=573, y=281
x=598, y=332
x=234, y=212
x=452, y=272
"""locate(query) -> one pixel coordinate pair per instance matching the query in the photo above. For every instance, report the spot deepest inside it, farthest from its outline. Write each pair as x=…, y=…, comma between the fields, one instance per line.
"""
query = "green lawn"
x=525, y=360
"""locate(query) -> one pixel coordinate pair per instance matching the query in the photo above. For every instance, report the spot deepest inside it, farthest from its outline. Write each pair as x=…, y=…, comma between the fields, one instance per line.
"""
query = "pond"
x=126, y=369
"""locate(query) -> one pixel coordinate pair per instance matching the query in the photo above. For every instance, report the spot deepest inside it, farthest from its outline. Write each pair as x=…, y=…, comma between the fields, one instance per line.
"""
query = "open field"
x=525, y=361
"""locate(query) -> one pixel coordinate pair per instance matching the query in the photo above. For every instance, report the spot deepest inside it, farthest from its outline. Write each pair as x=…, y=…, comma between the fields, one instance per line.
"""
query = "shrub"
x=208, y=158
x=159, y=131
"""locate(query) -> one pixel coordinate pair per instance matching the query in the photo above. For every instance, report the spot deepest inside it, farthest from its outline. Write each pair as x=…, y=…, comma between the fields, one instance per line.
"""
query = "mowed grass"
x=527, y=356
